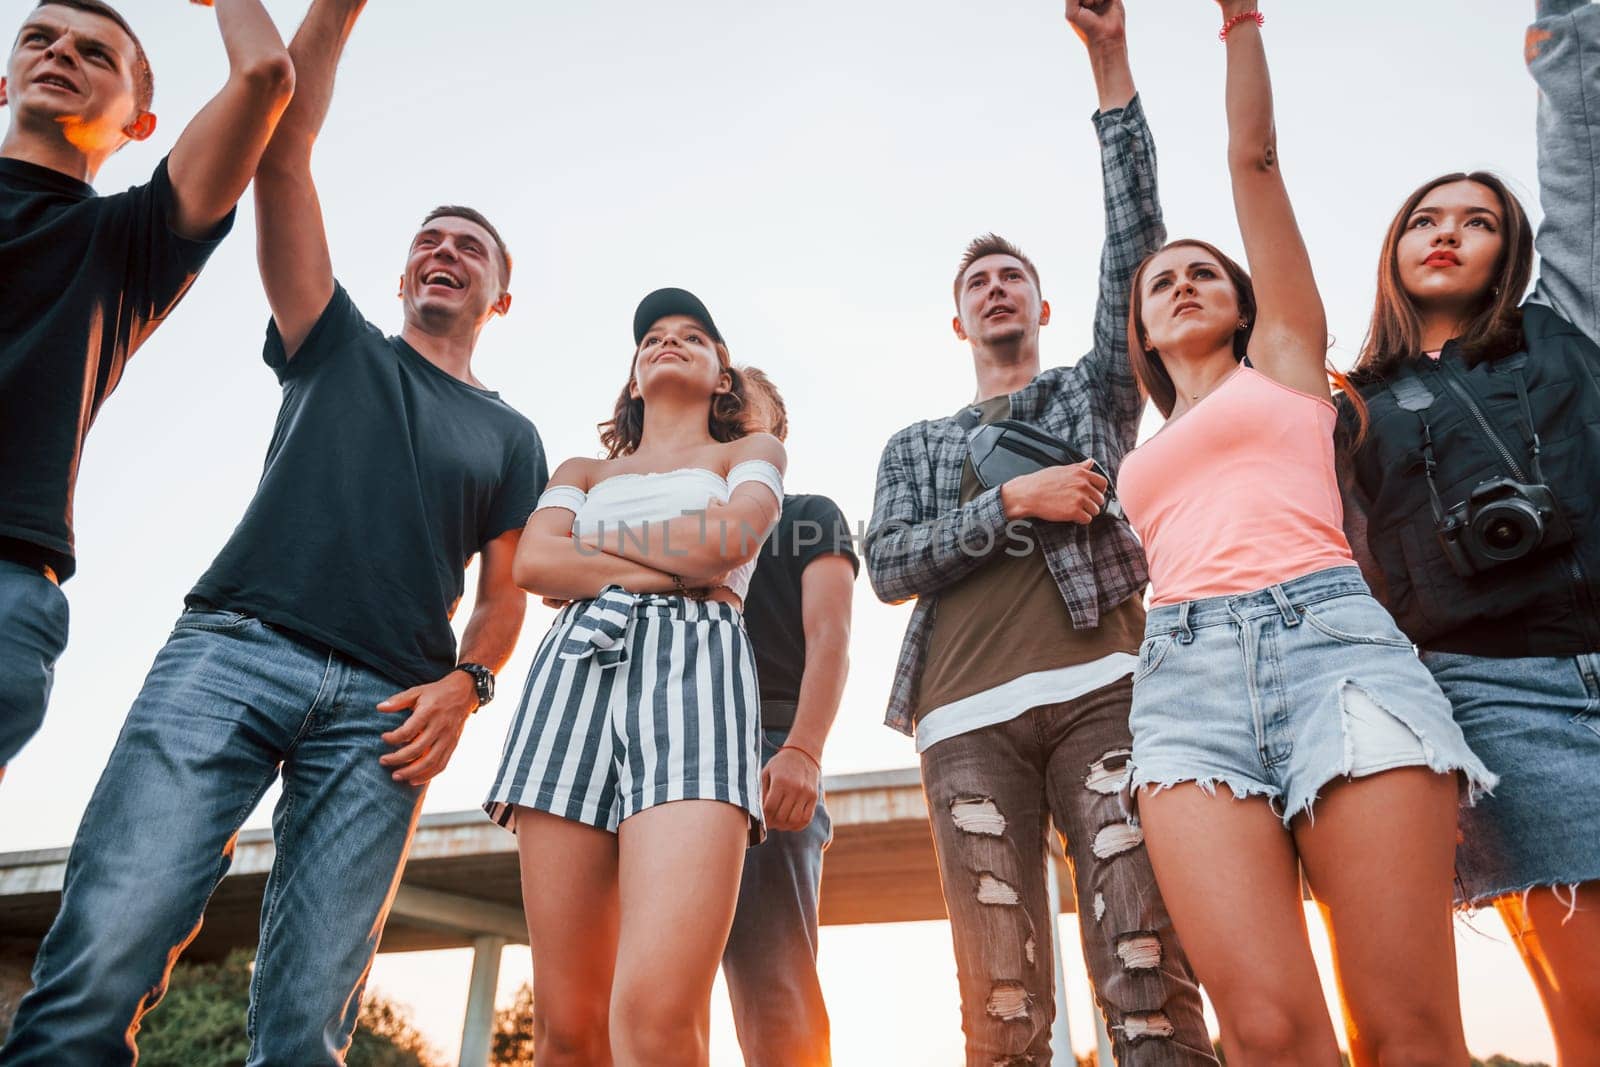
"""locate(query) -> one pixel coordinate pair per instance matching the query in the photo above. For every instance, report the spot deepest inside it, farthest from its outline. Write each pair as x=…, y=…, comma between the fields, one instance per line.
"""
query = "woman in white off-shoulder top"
x=631, y=772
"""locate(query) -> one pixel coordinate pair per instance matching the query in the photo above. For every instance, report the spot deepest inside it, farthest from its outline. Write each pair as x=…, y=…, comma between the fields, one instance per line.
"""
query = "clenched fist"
x=1097, y=22
x=1072, y=493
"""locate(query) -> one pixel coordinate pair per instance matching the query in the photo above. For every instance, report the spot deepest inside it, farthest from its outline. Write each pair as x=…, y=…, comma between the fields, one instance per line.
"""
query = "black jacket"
x=1542, y=605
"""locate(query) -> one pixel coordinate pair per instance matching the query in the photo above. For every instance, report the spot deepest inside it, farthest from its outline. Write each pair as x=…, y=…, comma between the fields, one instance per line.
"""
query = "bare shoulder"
x=580, y=472
x=756, y=446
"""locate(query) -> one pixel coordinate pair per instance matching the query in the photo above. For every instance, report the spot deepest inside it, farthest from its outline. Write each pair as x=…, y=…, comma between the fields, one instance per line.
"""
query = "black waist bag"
x=1006, y=448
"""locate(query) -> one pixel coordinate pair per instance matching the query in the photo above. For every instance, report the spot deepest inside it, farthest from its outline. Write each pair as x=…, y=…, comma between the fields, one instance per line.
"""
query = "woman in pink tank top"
x=1267, y=666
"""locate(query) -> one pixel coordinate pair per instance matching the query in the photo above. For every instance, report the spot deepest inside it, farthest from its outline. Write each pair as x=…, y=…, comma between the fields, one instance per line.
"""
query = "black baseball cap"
x=663, y=302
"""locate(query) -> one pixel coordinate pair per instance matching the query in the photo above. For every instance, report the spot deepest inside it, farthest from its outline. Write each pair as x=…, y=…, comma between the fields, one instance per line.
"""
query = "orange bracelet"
x=803, y=752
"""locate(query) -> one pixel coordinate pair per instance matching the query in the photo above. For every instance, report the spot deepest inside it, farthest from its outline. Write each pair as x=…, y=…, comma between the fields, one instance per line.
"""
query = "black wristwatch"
x=482, y=680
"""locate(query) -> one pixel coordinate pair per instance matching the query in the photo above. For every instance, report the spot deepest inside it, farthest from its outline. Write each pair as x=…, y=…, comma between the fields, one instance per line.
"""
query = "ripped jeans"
x=991, y=795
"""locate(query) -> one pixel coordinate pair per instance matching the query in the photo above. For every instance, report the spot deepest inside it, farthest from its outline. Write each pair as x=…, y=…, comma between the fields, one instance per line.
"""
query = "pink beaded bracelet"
x=1243, y=16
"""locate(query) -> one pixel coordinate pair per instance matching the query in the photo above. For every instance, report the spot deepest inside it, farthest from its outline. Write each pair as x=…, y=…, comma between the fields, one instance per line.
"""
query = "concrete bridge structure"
x=461, y=889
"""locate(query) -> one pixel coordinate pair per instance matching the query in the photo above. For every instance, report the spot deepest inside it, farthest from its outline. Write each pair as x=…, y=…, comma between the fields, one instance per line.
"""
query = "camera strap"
x=1412, y=394
x=1533, y=433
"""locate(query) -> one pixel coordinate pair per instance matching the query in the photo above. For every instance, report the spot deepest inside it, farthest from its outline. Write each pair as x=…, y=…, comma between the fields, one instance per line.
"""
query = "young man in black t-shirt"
x=798, y=616
x=88, y=278
x=390, y=467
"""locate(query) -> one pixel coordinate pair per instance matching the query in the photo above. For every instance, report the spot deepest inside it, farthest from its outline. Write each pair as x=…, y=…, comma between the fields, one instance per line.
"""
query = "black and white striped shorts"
x=634, y=701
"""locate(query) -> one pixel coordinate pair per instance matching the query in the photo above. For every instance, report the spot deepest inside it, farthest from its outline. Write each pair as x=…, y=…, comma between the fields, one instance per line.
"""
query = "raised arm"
x=1134, y=227
x=291, y=243
x=1563, y=52
x=1290, y=340
x=217, y=153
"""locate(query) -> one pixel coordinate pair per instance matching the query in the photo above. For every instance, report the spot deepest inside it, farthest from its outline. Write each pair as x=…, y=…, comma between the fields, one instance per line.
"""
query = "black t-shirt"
x=384, y=476
x=86, y=279
x=809, y=527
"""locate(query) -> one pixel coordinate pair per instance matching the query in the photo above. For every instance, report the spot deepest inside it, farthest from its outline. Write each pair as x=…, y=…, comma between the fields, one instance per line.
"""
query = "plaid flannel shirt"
x=922, y=538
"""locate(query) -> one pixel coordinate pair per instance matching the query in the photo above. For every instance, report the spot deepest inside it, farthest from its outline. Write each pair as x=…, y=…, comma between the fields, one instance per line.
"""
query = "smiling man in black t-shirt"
x=88, y=278
x=318, y=642
x=798, y=616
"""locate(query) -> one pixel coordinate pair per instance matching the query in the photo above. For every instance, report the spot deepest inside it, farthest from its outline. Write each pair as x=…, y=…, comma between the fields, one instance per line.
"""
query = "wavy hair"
x=621, y=433
x=1495, y=326
x=1151, y=373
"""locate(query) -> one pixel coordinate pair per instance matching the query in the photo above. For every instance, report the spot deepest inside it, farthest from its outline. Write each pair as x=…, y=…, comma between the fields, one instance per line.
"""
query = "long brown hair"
x=1495, y=328
x=1151, y=373
x=1148, y=368
x=620, y=434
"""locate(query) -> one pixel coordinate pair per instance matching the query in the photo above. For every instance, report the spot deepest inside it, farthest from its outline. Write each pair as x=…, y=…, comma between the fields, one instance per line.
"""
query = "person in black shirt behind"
x=88, y=278
x=389, y=468
x=798, y=616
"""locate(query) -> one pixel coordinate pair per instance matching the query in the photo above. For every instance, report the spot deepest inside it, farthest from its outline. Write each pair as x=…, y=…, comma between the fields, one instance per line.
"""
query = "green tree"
x=385, y=1038
x=513, y=1031
x=201, y=1021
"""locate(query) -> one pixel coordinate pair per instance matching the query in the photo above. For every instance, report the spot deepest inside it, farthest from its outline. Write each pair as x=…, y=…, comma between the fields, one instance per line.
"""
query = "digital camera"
x=1501, y=521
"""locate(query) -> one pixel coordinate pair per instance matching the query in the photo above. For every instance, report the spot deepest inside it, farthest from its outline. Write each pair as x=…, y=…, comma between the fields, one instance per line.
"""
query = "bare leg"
x=1229, y=874
x=680, y=866
x=1560, y=944
x=1379, y=857
x=569, y=892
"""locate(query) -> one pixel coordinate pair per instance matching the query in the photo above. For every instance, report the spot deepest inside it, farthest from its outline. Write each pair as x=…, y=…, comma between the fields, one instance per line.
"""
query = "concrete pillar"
x=1102, y=1039
x=1061, y=1032
x=478, y=1029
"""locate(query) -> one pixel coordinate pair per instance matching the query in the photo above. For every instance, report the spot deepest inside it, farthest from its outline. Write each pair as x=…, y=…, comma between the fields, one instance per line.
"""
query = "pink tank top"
x=1238, y=494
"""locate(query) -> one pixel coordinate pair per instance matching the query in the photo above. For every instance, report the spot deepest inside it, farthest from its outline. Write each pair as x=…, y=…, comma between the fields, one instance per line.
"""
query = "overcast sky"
x=812, y=172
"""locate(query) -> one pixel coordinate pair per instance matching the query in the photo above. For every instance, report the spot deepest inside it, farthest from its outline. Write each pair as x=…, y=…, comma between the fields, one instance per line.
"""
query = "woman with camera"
x=1280, y=719
x=1476, y=476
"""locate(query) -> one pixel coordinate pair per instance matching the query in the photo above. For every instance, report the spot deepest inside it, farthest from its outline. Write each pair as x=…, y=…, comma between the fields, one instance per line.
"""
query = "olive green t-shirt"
x=1007, y=619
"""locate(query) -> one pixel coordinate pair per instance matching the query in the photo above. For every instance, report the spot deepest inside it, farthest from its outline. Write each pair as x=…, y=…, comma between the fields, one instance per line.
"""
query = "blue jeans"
x=771, y=958
x=33, y=631
x=228, y=701
x=1277, y=692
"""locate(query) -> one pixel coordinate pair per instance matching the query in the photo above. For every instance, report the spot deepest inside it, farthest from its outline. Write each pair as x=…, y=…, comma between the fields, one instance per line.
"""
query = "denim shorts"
x=1536, y=721
x=1275, y=693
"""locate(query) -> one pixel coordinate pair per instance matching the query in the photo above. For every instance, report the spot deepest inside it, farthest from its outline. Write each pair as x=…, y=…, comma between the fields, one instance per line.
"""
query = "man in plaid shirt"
x=1015, y=674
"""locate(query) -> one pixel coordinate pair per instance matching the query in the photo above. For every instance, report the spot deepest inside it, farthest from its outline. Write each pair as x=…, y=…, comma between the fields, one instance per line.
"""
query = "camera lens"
x=1507, y=529
x=1502, y=535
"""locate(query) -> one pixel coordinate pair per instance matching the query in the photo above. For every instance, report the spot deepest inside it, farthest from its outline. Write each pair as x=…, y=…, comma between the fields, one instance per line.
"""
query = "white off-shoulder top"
x=636, y=499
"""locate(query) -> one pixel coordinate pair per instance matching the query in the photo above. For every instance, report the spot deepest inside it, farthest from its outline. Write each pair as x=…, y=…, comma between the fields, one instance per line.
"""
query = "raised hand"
x=1097, y=22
